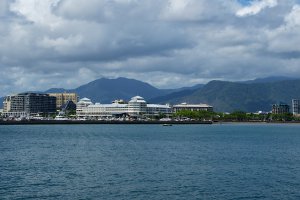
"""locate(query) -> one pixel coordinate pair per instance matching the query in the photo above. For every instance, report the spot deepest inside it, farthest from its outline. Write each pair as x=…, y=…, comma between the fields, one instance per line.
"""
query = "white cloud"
x=293, y=18
x=256, y=7
x=196, y=10
x=285, y=38
x=36, y=11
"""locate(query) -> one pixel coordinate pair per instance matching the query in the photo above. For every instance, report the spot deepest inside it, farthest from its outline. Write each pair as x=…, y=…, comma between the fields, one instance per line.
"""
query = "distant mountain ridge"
x=106, y=90
x=56, y=90
x=230, y=96
x=270, y=79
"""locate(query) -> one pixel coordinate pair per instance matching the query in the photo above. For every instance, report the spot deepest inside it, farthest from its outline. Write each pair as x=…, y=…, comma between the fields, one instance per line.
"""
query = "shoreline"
x=73, y=122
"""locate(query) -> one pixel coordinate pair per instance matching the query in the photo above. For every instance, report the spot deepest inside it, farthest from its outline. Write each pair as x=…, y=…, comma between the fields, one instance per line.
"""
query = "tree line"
x=239, y=116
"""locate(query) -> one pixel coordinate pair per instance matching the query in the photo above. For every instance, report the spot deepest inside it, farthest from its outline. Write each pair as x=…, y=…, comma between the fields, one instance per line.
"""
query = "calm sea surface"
x=150, y=162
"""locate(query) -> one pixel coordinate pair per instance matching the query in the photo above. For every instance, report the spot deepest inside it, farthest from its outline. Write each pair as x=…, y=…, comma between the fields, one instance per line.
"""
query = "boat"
x=167, y=125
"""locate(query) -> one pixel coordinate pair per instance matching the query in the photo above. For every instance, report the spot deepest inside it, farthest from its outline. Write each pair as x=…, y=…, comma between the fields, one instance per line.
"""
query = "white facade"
x=192, y=107
x=83, y=103
x=15, y=114
x=156, y=109
x=6, y=104
x=136, y=107
x=102, y=110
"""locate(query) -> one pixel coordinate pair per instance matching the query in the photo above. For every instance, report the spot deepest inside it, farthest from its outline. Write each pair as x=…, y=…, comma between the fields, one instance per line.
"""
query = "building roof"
x=158, y=106
x=138, y=99
x=113, y=105
x=119, y=105
x=62, y=93
x=85, y=99
x=31, y=94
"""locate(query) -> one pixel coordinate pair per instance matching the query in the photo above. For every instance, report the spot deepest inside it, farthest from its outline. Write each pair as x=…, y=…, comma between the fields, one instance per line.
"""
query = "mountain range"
x=225, y=96
x=106, y=90
x=231, y=96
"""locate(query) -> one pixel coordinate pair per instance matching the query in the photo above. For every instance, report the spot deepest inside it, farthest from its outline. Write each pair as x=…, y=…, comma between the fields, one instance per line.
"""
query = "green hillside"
x=231, y=96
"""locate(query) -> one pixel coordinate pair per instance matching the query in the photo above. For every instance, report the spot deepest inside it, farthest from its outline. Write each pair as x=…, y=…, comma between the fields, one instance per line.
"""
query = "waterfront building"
x=192, y=107
x=63, y=98
x=6, y=104
x=136, y=107
x=83, y=104
x=102, y=110
x=26, y=104
x=280, y=108
x=296, y=107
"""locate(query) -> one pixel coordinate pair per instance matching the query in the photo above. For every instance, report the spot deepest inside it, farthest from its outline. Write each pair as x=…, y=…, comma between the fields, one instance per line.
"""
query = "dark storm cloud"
x=172, y=43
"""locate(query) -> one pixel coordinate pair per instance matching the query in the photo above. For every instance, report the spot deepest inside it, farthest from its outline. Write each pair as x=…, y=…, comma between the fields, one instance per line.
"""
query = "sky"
x=167, y=43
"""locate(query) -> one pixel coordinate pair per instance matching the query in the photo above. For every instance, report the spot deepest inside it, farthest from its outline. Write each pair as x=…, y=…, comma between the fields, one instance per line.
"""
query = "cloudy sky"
x=168, y=43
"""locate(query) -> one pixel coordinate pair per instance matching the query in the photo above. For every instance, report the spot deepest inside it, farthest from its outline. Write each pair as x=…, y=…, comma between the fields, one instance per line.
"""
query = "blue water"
x=150, y=162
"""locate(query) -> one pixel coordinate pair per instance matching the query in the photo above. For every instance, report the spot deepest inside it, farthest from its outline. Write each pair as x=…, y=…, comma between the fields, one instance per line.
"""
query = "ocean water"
x=228, y=161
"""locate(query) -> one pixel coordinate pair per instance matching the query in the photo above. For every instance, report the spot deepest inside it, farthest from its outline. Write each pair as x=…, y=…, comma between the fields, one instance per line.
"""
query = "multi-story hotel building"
x=26, y=104
x=296, y=107
x=63, y=98
x=192, y=107
x=136, y=107
x=280, y=108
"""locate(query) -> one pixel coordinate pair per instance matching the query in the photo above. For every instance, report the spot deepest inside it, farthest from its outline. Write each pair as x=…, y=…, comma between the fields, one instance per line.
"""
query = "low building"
x=26, y=104
x=63, y=98
x=280, y=109
x=102, y=110
x=296, y=107
x=192, y=107
x=157, y=109
x=136, y=107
